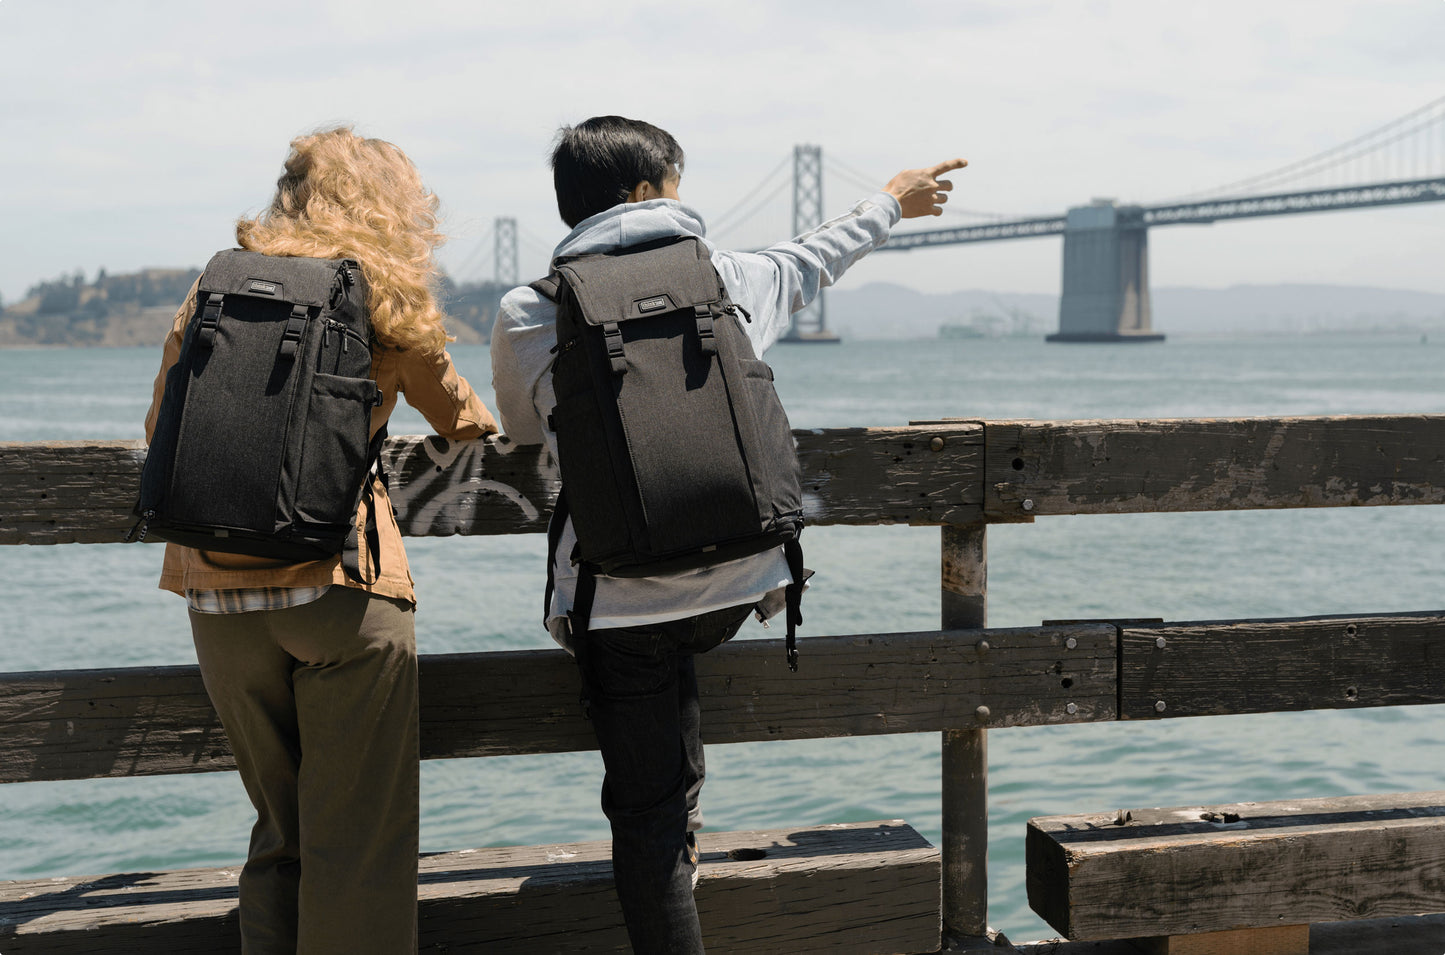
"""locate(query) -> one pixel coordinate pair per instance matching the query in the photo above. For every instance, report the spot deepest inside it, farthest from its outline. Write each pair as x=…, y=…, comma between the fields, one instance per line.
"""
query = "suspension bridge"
x=1105, y=290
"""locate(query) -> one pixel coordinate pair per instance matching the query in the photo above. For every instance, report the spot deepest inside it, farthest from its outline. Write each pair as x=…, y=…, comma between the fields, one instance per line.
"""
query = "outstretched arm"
x=920, y=192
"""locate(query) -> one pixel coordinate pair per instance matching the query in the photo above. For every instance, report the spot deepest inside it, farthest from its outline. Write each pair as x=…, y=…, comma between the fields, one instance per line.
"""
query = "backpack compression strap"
x=793, y=551
x=580, y=616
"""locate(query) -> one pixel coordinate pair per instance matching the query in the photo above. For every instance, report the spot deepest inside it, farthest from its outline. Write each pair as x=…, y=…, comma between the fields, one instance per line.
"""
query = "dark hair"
x=598, y=162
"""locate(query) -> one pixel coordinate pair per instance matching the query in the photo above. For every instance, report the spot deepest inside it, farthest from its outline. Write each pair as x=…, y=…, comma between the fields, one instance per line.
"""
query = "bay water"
x=85, y=606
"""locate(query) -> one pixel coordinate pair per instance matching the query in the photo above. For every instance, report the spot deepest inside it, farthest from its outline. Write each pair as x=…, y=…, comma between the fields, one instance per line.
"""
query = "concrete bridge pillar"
x=1106, y=276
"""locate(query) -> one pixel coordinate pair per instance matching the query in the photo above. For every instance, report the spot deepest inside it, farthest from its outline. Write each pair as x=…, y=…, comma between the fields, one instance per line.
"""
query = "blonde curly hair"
x=343, y=196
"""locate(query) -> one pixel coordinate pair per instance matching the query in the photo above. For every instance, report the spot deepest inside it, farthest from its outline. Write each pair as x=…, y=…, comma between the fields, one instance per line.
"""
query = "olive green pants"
x=320, y=705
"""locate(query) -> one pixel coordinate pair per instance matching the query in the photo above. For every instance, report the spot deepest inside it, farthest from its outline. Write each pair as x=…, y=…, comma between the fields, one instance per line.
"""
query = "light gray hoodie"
x=771, y=285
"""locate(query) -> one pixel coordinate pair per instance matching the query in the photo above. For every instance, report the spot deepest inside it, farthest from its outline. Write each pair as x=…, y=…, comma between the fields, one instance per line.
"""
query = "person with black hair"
x=617, y=182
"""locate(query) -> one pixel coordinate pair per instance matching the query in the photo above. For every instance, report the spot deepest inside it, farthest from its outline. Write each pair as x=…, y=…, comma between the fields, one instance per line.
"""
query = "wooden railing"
x=960, y=680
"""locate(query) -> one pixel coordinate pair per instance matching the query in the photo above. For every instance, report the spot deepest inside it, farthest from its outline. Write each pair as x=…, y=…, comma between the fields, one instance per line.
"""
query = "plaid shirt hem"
x=252, y=599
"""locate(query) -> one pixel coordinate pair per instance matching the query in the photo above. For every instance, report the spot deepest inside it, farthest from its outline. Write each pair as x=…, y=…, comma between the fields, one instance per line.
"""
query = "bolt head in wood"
x=982, y=713
x=1160, y=706
x=1028, y=504
x=1161, y=643
x=983, y=646
x=1071, y=709
x=1071, y=643
x=936, y=444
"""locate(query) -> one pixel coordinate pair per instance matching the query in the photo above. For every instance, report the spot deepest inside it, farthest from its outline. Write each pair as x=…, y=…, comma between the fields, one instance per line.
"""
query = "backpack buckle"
x=612, y=335
x=295, y=329
x=705, y=335
x=210, y=320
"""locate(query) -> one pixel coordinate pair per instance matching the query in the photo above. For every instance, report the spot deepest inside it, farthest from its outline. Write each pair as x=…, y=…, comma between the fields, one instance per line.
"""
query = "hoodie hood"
x=630, y=223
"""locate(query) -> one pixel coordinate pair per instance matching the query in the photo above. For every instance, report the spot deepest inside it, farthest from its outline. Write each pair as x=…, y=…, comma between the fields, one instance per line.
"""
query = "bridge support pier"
x=1106, y=276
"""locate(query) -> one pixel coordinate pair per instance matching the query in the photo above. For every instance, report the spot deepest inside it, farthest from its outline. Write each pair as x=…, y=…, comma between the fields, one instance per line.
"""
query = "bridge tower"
x=1106, y=276
x=504, y=250
x=811, y=324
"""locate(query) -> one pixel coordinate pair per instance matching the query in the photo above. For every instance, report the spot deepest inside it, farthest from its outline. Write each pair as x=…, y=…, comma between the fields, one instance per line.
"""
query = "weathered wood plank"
x=1267, y=940
x=1269, y=666
x=1211, y=464
x=924, y=474
x=855, y=888
x=72, y=491
x=1419, y=935
x=156, y=720
x=1244, y=865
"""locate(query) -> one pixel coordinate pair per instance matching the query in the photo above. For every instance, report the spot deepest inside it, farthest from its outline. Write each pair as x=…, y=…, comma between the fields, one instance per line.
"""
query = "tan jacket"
x=431, y=385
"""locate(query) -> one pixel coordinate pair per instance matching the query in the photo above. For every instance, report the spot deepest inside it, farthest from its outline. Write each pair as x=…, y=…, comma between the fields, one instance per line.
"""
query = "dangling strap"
x=580, y=616
x=579, y=620
x=351, y=550
x=554, y=540
x=793, y=551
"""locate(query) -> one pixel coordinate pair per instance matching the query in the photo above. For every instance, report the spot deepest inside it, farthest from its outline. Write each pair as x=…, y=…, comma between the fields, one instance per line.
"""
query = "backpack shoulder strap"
x=548, y=287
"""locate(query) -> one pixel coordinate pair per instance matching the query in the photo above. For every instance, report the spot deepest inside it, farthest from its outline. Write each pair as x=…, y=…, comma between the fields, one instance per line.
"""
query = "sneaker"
x=692, y=856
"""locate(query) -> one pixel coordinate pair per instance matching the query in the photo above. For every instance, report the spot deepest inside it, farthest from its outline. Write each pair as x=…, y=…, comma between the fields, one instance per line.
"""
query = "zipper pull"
x=141, y=525
x=734, y=308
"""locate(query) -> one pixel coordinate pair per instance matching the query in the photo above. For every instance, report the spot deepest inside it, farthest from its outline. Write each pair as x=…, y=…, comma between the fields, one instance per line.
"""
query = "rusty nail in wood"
x=1159, y=706
x=936, y=444
x=1028, y=504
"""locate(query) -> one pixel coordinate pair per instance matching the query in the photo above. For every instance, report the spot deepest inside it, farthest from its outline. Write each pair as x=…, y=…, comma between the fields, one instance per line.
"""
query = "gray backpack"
x=675, y=452
x=261, y=445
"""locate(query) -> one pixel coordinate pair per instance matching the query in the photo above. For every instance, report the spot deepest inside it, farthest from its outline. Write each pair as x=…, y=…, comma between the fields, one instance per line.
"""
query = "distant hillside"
x=883, y=310
x=137, y=309
x=134, y=309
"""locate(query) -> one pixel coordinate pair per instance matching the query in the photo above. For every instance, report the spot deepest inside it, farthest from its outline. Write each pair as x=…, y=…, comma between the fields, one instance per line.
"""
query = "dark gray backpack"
x=261, y=445
x=675, y=452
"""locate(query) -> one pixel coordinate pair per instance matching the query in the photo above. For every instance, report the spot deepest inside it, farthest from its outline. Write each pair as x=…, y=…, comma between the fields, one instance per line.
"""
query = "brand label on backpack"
x=653, y=304
x=263, y=288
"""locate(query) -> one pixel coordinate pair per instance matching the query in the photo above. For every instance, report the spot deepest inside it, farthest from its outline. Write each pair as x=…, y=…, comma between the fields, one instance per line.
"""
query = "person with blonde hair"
x=314, y=672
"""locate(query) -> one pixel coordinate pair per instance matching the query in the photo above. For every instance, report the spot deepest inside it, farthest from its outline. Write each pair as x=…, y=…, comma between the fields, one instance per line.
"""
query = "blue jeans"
x=645, y=713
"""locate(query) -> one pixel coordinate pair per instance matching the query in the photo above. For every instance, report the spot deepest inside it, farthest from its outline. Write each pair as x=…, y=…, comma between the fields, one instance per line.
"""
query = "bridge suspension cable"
x=745, y=208
x=870, y=185
x=473, y=262
x=1411, y=146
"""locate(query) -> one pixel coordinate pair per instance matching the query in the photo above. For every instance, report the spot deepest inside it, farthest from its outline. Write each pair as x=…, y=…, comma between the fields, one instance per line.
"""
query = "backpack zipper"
x=141, y=525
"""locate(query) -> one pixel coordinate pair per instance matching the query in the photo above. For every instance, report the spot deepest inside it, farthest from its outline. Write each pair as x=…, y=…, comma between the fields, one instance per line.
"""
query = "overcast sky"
x=132, y=134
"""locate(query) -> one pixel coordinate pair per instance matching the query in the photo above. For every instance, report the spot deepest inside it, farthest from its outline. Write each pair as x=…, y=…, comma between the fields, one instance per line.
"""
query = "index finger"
x=946, y=166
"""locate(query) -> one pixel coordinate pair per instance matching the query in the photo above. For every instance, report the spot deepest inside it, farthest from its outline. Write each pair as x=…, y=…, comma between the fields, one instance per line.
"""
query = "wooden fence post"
x=964, y=901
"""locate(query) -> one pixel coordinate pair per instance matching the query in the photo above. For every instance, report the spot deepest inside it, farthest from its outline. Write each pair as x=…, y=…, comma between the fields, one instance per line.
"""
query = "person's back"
x=617, y=187
x=312, y=670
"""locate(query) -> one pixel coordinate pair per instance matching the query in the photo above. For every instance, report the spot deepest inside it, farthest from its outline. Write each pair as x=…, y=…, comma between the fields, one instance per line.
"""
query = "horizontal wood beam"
x=1037, y=468
x=868, y=887
x=1271, y=666
x=1197, y=869
x=949, y=472
x=83, y=492
x=155, y=720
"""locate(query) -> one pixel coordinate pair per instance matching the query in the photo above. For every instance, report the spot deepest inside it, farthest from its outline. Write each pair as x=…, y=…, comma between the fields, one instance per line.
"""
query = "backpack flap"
x=279, y=278
x=678, y=275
